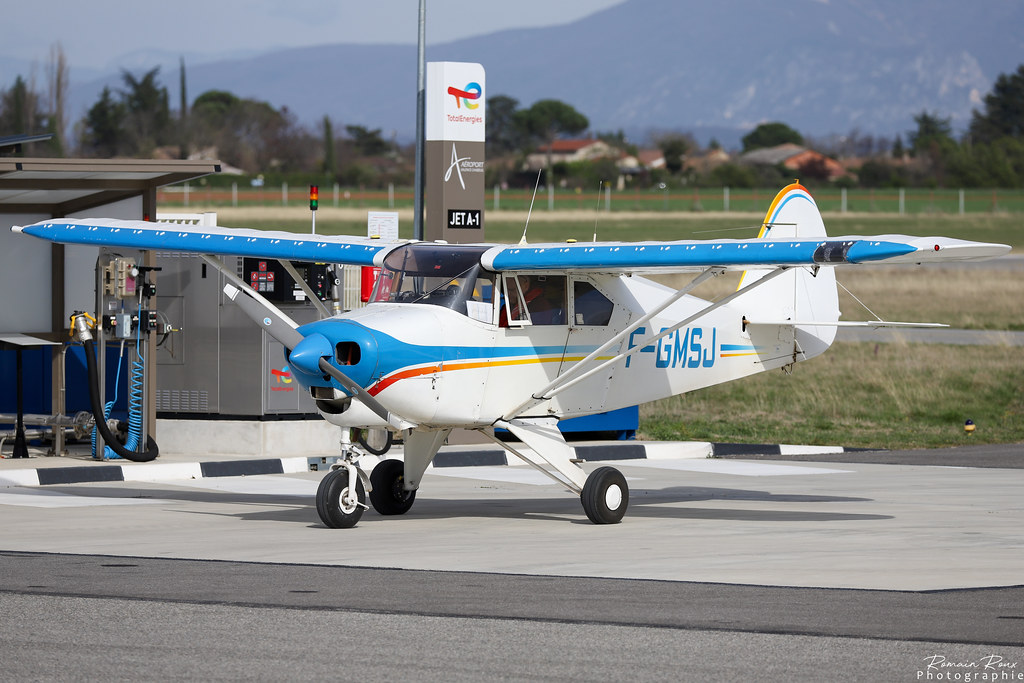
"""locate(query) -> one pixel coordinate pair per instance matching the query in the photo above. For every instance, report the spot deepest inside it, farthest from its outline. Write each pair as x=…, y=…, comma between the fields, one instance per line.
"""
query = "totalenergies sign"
x=455, y=101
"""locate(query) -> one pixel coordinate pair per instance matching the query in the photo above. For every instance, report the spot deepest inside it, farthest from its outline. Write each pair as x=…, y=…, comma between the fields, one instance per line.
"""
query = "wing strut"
x=563, y=382
x=301, y=281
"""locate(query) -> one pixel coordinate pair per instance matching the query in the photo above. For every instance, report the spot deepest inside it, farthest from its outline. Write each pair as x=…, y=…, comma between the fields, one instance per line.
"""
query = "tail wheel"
x=340, y=507
x=388, y=495
x=605, y=496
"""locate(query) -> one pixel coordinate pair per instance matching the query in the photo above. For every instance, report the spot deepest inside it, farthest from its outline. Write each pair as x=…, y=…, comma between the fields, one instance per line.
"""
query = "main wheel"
x=388, y=496
x=333, y=502
x=605, y=496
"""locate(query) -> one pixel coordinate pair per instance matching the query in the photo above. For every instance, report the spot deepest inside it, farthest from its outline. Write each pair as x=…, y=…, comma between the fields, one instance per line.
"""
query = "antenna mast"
x=522, y=240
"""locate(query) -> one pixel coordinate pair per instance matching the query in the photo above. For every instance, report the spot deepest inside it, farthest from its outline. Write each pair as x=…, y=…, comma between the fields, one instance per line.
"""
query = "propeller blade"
x=281, y=328
x=364, y=396
x=276, y=323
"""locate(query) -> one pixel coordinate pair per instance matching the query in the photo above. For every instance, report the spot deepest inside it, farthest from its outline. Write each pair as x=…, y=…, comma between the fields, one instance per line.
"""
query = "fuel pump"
x=126, y=315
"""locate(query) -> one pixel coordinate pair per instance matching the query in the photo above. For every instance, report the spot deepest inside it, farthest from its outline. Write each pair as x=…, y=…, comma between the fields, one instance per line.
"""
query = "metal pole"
x=421, y=107
x=20, y=445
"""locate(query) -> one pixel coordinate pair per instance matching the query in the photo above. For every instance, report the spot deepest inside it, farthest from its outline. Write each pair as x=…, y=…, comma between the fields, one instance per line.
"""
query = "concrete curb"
x=454, y=456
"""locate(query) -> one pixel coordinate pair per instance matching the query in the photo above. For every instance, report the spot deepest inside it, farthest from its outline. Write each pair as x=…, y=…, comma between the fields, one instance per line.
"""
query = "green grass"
x=860, y=395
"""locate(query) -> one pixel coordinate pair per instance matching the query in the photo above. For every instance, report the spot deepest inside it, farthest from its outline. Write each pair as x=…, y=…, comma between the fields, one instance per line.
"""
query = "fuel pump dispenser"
x=126, y=315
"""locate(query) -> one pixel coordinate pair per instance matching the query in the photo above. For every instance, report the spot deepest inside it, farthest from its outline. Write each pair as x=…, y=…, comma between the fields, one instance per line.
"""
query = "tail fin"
x=801, y=294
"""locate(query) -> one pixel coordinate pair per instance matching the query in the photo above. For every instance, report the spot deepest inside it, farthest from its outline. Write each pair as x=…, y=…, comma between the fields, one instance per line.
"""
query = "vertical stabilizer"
x=799, y=295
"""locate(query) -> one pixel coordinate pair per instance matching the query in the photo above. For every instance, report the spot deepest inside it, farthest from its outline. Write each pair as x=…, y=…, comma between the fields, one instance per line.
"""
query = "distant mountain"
x=821, y=66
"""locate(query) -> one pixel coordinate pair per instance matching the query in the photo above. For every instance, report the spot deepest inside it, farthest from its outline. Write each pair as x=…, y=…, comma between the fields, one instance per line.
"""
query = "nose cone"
x=306, y=355
x=348, y=346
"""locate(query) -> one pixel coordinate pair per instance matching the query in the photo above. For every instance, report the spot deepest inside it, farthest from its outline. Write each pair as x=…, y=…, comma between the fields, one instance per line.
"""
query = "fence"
x=839, y=200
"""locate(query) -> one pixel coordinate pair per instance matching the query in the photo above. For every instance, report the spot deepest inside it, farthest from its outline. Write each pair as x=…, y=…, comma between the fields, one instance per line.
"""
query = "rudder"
x=799, y=295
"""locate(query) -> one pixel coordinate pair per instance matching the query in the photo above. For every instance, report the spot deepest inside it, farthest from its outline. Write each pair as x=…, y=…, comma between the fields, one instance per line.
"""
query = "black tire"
x=328, y=500
x=387, y=495
x=605, y=496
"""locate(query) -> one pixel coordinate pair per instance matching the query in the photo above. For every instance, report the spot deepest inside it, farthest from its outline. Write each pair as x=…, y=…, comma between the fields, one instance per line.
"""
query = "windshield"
x=446, y=275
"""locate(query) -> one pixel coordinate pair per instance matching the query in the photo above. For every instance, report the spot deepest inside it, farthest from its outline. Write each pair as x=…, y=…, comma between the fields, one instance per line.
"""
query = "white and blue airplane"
x=521, y=336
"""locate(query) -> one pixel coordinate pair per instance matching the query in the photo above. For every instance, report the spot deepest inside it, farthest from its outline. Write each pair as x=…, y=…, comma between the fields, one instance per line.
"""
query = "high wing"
x=105, y=232
x=605, y=257
x=735, y=254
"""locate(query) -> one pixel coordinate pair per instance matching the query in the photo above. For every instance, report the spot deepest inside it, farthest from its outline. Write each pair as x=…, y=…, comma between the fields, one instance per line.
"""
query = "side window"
x=590, y=307
x=545, y=297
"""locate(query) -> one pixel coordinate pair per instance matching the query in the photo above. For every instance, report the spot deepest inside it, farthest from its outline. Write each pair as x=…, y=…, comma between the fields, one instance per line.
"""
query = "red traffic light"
x=314, y=197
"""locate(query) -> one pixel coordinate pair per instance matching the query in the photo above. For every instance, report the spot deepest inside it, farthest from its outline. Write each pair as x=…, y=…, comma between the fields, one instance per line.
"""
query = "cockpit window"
x=446, y=275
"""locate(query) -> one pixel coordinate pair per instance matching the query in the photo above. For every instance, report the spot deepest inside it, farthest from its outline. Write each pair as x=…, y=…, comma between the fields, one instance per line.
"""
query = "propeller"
x=310, y=353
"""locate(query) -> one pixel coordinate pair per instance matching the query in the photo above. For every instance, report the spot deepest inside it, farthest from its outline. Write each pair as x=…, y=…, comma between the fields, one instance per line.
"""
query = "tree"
x=252, y=134
x=183, y=137
x=548, y=119
x=931, y=130
x=503, y=136
x=147, y=112
x=330, y=166
x=770, y=135
x=57, y=96
x=1003, y=108
x=103, y=124
x=897, y=147
x=368, y=143
x=19, y=110
x=733, y=175
x=674, y=147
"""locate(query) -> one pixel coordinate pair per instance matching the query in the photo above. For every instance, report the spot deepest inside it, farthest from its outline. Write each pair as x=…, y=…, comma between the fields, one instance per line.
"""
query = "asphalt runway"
x=736, y=569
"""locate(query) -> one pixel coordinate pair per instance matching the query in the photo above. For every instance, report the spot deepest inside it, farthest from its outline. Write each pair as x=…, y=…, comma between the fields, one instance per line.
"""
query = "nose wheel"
x=605, y=496
x=339, y=504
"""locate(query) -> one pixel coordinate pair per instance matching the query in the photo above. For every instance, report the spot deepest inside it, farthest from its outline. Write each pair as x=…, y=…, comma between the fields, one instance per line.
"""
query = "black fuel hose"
x=151, y=452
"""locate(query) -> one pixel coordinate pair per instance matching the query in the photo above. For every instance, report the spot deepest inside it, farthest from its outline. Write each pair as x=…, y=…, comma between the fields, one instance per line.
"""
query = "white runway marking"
x=735, y=467
x=41, y=498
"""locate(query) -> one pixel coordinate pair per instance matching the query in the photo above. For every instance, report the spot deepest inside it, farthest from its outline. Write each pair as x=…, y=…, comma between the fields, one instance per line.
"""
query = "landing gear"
x=605, y=496
x=387, y=492
x=339, y=504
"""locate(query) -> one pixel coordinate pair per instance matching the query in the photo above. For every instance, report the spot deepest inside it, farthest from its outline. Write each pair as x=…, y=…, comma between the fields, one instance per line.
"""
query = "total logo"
x=467, y=95
x=283, y=377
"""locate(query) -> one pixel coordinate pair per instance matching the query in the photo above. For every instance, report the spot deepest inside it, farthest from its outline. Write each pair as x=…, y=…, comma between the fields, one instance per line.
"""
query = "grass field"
x=859, y=395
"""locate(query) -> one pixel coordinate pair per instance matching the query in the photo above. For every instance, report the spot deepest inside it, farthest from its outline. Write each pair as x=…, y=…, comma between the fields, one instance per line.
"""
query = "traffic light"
x=314, y=197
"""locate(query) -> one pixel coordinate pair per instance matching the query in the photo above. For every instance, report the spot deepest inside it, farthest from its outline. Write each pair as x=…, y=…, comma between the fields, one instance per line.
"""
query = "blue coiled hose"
x=108, y=453
x=135, y=393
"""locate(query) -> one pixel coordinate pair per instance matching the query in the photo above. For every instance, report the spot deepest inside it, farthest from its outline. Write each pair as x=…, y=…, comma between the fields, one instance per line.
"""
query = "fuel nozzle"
x=81, y=326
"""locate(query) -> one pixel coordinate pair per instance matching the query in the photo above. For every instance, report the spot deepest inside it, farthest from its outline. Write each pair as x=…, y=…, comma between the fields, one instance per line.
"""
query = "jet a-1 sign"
x=520, y=336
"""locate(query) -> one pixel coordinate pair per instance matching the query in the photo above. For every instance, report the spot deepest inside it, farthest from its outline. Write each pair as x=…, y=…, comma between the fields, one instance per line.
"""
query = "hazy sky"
x=94, y=33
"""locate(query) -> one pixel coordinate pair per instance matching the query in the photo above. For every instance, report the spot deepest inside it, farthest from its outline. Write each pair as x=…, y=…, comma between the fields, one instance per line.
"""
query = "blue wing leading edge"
x=102, y=232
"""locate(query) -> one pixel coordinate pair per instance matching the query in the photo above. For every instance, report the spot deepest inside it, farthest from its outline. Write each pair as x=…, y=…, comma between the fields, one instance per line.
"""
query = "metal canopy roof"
x=61, y=187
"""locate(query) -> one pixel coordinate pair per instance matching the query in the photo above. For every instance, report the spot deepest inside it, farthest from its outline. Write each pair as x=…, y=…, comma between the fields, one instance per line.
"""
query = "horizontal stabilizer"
x=842, y=323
